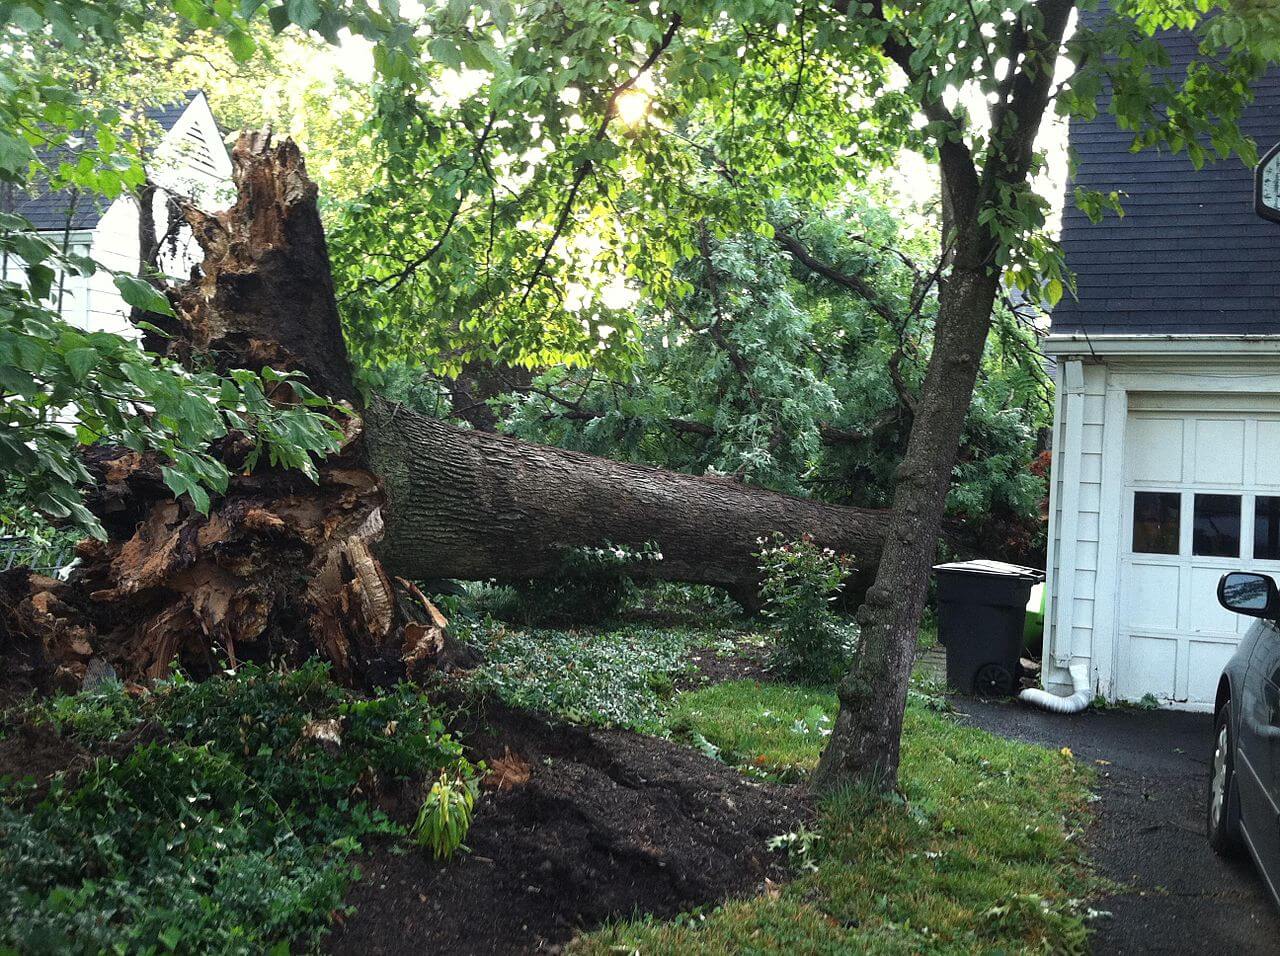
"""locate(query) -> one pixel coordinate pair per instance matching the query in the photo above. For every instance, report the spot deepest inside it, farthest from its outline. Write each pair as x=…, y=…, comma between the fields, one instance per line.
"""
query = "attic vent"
x=197, y=150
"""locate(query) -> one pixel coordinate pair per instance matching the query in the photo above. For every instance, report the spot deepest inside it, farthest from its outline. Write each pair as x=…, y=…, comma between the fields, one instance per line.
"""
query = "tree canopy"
x=539, y=168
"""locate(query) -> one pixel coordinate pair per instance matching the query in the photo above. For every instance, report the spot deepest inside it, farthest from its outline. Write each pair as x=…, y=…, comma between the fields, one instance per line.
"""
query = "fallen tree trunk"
x=468, y=504
x=281, y=567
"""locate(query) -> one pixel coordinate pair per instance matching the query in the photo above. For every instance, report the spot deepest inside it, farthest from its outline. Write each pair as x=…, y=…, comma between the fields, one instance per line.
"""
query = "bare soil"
x=37, y=753
x=578, y=827
x=748, y=661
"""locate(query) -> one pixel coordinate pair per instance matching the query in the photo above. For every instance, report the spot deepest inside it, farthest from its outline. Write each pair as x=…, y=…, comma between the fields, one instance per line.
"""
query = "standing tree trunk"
x=865, y=743
x=866, y=738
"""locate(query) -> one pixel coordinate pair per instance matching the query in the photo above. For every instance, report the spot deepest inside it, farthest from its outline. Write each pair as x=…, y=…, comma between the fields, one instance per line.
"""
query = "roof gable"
x=65, y=209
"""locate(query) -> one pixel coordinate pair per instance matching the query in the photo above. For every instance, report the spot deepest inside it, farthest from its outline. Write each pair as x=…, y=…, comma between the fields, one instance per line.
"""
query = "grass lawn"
x=977, y=854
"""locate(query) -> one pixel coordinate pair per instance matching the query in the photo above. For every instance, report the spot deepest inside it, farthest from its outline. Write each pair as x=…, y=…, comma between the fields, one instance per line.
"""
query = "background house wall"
x=190, y=160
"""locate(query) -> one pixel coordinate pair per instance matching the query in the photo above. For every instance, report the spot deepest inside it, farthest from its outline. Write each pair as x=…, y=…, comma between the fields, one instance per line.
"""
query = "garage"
x=1166, y=474
x=1201, y=497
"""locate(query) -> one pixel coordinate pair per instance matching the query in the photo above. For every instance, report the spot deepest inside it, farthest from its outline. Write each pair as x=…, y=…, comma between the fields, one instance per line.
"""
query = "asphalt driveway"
x=1179, y=897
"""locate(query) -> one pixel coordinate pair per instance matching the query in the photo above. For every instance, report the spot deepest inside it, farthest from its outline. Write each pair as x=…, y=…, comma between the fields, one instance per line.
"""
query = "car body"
x=1243, y=811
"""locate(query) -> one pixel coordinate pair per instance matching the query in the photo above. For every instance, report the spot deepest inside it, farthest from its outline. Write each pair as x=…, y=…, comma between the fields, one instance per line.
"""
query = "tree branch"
x=959, y=171
x=796, y=249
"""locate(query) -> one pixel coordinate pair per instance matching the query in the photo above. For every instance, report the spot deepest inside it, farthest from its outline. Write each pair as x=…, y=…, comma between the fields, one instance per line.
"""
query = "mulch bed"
x=578, y=827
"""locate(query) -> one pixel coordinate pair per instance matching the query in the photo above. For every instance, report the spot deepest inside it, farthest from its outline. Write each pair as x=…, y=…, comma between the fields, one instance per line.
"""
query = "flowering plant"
x=801, y=580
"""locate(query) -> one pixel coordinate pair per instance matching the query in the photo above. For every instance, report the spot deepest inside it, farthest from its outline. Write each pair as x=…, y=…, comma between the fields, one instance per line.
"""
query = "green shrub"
x=619, y=678
x=217, y=817
x=592, y=585
x=800, y=582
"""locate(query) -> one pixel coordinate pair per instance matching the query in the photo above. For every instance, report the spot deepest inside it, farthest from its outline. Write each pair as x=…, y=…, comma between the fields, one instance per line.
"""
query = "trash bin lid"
x=994, y=568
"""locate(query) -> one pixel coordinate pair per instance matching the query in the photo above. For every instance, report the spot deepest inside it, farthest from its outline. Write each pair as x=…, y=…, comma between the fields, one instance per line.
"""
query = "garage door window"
x=1216, y=532
x=1266, y=528
x=1157, y=519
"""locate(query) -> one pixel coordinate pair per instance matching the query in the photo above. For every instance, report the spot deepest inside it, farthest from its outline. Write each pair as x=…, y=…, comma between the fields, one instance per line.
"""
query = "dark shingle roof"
x=1189, y=255
x=50, y=209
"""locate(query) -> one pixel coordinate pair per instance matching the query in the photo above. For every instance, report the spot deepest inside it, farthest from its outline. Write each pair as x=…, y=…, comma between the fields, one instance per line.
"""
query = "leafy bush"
x=617, y=678
x=593, y=584
x=217, y=817
x=800, y=582
x=699, y=605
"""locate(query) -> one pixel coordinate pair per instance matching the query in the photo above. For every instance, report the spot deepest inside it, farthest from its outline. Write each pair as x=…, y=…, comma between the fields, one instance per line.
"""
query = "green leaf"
x=80, y=361
x=305, y=13
x=171, y=936
x=279, y=18
x=40, y=281
x=444, y=51
x=15, y=153
x=242, y=45
x=142, y=295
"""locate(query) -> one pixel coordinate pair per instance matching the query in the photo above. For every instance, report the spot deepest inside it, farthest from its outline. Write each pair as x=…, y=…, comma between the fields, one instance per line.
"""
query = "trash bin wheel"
x=993, y=680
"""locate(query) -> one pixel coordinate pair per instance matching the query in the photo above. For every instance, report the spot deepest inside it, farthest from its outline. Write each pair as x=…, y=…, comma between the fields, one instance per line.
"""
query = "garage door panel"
x=1155, y=449
x=1219, y=451
x=1152, y=595
x=1267, y=467
x=1195, y=483
x=1204, y=614
x=1205, y=661
x=1148, y=666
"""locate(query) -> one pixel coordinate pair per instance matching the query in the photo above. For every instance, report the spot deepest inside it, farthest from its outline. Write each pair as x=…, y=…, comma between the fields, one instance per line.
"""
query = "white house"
x=189, y=159
x=1166, y=468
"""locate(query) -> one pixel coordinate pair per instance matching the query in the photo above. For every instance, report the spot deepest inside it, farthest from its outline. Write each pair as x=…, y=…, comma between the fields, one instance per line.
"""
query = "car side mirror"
x=1247, y=593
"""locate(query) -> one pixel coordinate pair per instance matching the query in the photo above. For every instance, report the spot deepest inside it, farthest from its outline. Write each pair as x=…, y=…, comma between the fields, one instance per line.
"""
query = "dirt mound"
x=577, y=827
x=37, y=753
x=714, y=666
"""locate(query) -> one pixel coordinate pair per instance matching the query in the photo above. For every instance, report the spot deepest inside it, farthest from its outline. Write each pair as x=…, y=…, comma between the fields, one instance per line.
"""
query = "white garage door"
x=1202, y=496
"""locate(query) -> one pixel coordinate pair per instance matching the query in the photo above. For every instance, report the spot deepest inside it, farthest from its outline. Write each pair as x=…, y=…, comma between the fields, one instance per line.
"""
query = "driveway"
x=1179, y=897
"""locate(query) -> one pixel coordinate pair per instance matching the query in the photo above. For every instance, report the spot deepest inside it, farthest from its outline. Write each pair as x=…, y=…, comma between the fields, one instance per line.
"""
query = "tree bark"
x=468, y=504
x=865, y=742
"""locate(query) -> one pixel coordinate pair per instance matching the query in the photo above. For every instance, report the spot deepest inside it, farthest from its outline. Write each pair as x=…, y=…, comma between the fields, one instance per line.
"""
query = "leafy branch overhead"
x=507, y=214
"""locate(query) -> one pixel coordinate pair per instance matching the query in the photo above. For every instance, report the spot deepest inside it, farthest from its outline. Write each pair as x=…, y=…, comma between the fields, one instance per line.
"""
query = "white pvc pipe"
x=1077, y=702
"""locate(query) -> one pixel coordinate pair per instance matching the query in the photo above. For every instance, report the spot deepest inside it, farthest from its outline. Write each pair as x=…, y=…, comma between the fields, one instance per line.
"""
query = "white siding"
x=1076, y=490
x=115, y=246
x=71, y=291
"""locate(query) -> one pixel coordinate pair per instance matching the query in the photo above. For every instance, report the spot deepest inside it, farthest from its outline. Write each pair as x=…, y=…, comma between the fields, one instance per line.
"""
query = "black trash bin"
x=981, y=610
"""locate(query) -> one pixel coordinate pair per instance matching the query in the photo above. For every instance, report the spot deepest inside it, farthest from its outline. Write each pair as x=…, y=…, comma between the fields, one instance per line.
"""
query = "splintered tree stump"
x=264, y=295
x=281, y=567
